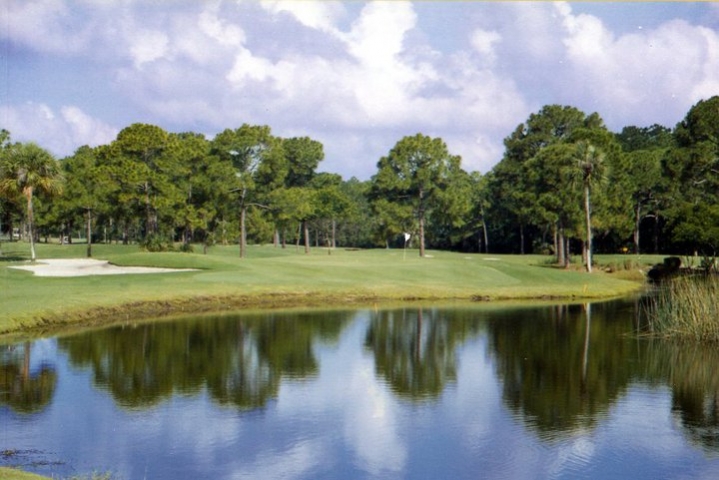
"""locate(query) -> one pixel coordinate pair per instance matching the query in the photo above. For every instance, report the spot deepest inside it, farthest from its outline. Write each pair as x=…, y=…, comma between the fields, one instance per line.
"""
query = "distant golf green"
x=272, y=277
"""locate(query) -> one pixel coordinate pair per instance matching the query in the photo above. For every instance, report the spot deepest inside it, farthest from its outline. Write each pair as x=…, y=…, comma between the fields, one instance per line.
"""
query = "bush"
x=156, y=243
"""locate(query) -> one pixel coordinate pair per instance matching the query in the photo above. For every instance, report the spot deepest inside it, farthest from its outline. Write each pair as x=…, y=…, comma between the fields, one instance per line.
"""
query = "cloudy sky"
x=357, y=76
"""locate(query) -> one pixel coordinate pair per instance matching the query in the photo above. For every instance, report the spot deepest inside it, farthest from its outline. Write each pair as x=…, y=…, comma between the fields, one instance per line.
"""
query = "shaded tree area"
x=565, y=186
x=652, y=189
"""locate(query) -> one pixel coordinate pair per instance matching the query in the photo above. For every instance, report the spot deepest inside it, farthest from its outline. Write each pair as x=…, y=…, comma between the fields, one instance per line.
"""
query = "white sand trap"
x=79, y=267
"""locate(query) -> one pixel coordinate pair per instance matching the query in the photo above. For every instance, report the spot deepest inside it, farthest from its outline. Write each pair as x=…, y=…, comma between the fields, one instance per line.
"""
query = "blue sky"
x=357, y=76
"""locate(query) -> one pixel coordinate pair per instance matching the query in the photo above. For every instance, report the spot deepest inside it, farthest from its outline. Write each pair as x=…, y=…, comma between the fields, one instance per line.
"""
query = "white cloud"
x=652, y=73
x=318, y=15
x=363, y=75
x=37, y=23
x=223, y=33
x=85, y=130
x=297, y=461
x=587, y=37
x=148, y=46
x=484, y=41
x=61, y=134
x=371, y=427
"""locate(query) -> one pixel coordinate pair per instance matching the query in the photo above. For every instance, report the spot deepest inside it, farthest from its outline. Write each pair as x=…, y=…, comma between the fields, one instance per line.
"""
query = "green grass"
x=15, y=474
x=276, y=277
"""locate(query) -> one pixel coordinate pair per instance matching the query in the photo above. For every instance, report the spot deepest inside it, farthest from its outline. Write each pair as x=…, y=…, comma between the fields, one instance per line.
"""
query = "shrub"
x=156, y=243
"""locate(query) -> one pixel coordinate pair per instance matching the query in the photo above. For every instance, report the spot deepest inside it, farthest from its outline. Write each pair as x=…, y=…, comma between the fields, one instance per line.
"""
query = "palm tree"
x=26, y=168
x=590, y=161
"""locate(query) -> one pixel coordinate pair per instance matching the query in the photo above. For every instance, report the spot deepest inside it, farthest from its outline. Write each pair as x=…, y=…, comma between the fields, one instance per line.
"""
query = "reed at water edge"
x=686, y=308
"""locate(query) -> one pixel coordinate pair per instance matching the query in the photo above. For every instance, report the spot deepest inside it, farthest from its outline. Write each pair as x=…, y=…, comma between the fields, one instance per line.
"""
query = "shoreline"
x=219, y=282
x=164, y=309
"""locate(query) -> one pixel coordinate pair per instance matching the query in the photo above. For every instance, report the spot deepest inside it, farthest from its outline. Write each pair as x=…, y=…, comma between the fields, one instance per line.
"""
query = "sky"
x=357, y=76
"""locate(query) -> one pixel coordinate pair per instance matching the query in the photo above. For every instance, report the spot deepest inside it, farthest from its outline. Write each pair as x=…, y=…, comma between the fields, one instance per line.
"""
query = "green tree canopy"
x=414, y=175
x=27, y=169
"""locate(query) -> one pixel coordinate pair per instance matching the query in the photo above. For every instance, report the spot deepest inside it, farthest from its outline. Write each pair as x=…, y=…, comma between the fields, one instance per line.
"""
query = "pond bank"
x=277, y=278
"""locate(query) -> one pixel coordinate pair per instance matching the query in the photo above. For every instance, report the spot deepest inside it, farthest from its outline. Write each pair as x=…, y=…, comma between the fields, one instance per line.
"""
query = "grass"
x=685, y=308
x=15, y=474
x=272, y=277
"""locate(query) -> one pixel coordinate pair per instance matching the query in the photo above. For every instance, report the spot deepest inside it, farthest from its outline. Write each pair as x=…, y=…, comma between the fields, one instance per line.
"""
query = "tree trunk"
x=588, y=219
x=521, y=238
x=486, y=235
x=561, y=252
x=243, y=232
x=637, y=221
x=31, y=223
x=585, y=357
x=421, y=223
x=418, y=343
x=88, y=233
x=334, y=233
x=148, y=213
x=567, y=253
x=307, y=237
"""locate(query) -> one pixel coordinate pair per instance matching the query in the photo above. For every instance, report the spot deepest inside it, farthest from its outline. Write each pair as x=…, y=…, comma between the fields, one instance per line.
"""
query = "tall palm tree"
x=26, y=168
x=590, y=161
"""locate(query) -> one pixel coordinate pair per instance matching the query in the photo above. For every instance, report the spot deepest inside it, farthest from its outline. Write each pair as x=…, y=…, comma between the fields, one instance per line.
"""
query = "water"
x=470, y=392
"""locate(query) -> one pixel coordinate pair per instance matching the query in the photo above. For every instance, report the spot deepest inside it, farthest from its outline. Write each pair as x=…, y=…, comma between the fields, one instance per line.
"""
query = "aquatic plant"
x=685, y=308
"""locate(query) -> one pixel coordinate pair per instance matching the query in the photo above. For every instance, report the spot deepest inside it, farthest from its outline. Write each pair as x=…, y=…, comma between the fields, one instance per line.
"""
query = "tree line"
x=565, y=186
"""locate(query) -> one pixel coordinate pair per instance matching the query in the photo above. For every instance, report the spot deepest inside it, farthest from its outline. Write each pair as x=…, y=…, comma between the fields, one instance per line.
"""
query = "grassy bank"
x=272, y=277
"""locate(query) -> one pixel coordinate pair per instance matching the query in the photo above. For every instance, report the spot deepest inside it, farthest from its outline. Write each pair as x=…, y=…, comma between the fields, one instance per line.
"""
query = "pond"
x=563, y=391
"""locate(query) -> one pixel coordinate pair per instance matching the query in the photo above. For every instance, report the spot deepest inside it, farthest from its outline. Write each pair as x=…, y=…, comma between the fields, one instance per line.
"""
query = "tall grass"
x=686, y=308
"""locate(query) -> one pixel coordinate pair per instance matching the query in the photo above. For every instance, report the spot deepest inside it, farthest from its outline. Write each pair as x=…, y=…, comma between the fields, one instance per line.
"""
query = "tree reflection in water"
x=22, y=389
x=561, y=368
x=564, y=366
x=690, y=371
x=415, y=349
x=239, y=360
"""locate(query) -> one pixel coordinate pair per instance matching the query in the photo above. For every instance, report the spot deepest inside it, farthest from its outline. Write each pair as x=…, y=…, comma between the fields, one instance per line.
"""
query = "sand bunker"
x=78, y=267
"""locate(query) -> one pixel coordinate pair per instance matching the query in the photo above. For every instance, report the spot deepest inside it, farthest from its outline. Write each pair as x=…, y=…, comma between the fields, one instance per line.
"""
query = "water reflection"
x=414, y=349
x=240, y=360
x=691, y=372
x=412, y=392
x=562, y=368
x=24, y=389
